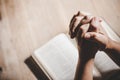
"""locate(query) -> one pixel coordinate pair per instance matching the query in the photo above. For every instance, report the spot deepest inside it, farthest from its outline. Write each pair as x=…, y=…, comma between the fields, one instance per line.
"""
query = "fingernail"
x=95, y=21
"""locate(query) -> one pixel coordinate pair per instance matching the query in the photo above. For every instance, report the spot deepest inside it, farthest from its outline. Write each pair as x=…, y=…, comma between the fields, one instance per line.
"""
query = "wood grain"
x=25, y=25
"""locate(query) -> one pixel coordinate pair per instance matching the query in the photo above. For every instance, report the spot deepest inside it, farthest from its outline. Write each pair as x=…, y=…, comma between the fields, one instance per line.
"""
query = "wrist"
x=109, y=45
x=86, y=61
x=86, y=54
x=86, y=57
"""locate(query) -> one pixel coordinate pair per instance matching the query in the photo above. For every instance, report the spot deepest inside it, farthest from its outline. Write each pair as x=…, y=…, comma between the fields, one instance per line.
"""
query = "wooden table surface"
x=25, y=25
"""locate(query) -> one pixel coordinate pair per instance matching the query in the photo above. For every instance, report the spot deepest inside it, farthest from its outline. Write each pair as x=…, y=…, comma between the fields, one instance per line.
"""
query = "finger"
x=92, y=36
x=83, y=25
x=97, y=37
x=82, y=13
x=71, y=28
x=75, y=26
x=84, y=28
x=101, y=39
x=87, y=19
x=95, y=24
x=77, y=22
x=72, y=23
x=99, y=27
x=79, y=14
x=73, y=19
x=89, y=35
x=75, y=16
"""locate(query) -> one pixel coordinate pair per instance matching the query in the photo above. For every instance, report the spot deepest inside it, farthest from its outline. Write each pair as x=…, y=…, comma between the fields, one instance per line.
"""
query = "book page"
x=110, y=32
x=59, y=58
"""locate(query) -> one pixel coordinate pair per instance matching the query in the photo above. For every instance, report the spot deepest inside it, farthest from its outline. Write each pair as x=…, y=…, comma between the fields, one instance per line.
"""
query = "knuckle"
x=87, y=17
x=76, y=18
x=81, y=28
x=95, y=34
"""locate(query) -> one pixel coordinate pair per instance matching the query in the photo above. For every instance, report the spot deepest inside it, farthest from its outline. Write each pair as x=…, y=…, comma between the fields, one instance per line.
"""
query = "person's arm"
x=112, y=48
x=85, y=62
x=86, y=49
x=113, y=51
x=96, y=34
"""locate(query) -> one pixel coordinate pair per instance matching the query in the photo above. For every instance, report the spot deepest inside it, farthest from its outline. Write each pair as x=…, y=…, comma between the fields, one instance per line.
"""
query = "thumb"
x=90, y=35
x=95, y=24
x=97, y=37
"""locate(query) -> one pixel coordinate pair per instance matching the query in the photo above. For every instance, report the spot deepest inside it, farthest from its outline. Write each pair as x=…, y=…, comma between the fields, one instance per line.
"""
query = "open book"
x=58, y=57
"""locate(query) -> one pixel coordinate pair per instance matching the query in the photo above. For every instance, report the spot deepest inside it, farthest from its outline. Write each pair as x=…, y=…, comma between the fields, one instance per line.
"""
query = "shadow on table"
x=110, y=75
x=36, y=70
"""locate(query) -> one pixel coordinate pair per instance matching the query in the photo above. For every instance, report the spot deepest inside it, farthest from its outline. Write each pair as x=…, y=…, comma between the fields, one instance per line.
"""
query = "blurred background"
x=25, y=25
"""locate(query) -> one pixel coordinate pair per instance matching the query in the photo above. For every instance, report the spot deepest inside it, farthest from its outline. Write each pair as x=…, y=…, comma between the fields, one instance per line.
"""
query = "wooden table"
x=25, y=25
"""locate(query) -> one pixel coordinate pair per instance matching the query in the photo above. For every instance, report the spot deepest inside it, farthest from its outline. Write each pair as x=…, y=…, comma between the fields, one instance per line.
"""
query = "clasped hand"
x=89, y=34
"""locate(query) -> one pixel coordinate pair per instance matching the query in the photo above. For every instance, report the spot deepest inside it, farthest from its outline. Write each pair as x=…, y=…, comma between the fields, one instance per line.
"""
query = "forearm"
x=85, y=65
x=85, y=61
x=84, y=70
x=113, y=51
